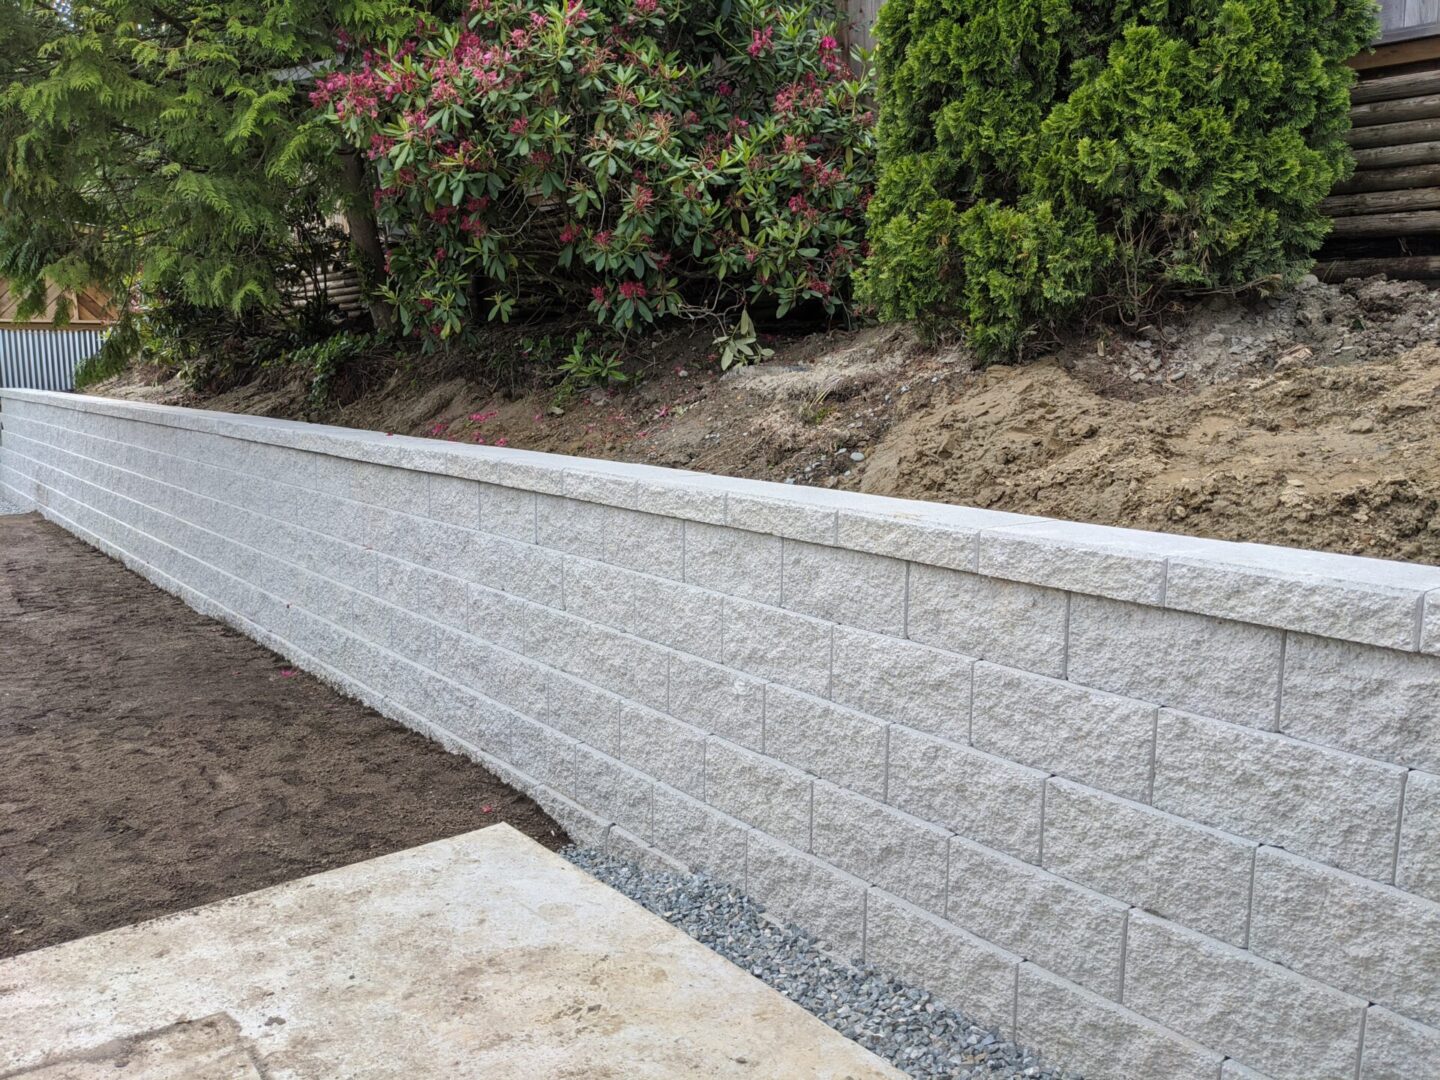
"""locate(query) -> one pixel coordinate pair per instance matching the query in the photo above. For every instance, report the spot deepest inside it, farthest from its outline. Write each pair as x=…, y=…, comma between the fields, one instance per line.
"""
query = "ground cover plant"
x=1043, y=160
x=639, y=158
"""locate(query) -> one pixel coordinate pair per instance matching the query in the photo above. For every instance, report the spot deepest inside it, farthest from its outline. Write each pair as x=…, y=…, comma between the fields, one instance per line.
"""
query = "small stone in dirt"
x=1361, y=425
x=857, y=456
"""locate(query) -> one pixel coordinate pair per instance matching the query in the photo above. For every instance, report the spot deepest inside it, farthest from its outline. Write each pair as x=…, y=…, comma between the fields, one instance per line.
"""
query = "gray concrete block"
x=903, y=682
x=623, y=844
x=508, y=512
x=902, y=854
x=600, y=592
x=779, y=646
x=1376, y=702
x=1375, y=601
x=1192, y=875
x=1098, y=1037
x=1224, y=669
x=419, y=589
x=1018, y=625
x=801, y=889
x=794, y=516
x=1064, y=927
x=1100, y=739
x=454, y=500
x=550, y=757
x=647, y=542
x=1370, y=940
x=572, y=526
x=731, y=561
x=1270, y=1019
x=850, y=587
x=584, y=712
x=760, y=791
x=926, y=951
x=700, y=836
x=680, y=616
x=612, y=790
x=1309, y=799
x=664, y=748
x=1122, y=564
x=936, y=534
x=718, y=700
x=1417, y=868
x=979, y=796
x=535, y=573
x=836, y=744
x=1397, y=1048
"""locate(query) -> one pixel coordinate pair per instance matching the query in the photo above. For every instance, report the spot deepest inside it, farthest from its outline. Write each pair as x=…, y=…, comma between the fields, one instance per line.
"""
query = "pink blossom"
x=519, y=125
x=633, y=290
x=570, y=234
x=761, y=42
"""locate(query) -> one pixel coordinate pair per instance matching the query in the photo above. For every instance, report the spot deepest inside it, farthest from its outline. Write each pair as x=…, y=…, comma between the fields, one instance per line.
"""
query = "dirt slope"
x=1310, y=420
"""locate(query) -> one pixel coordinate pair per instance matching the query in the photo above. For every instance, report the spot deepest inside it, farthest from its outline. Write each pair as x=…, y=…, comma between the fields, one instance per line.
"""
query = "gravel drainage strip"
x=903, y=1024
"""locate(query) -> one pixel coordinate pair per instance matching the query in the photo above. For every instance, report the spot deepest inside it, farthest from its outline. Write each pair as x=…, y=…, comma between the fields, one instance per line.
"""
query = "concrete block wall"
x=1161, y=807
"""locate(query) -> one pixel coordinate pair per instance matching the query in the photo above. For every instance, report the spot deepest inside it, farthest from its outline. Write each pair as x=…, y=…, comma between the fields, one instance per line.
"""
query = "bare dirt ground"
x=154, y=759
x=1311, y=419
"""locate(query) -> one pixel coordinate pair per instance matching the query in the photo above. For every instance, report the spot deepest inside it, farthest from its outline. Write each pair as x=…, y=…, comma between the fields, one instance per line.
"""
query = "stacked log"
x=341, y=287
x=1395, y=135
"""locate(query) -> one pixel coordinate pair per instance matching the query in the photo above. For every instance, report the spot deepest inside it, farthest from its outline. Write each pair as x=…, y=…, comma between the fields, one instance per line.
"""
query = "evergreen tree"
x=1041, y=159
x=170, y=150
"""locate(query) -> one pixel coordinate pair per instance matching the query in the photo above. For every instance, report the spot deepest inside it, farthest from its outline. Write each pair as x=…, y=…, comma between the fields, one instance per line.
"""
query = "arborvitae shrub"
x=1042, y=160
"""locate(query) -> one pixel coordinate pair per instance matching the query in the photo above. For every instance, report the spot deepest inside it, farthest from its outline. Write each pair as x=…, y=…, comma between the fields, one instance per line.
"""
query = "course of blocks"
x=1162, y=807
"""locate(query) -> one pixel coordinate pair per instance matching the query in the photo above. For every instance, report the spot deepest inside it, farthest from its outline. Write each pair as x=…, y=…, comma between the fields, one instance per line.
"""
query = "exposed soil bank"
x=1311, y=419
x=152, y=759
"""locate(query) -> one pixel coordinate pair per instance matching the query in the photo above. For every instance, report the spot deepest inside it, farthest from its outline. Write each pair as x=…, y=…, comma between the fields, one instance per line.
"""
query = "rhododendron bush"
x=644, y=158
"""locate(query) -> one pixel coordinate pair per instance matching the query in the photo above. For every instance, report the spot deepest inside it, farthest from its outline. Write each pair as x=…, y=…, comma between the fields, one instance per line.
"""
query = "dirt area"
x=1309, y=419
x=155, y=759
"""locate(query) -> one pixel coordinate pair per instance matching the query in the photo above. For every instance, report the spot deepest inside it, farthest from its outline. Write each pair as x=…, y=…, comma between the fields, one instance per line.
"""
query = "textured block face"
x=929, y=952
x=902, y=682
x=908, y=538
x=1193, y=875
x=1209, y=666
x=778, y=645
x=901, y=854
x=719, y=700
x=1090, y=559
x=584, y=712
x=700, y=836
x=802, y=889
x=455, y=501
x=1270, y=1019
x=1360, y=599
x=1417, y=869
x=655, y=744
x=981, y=797
x=1370, y=940
x=544, y=754
x=613, y=790
x=1396, y=1048
x=680, y=616
x=1375, y=702
x=734, y=562
x=571, y=526
x=759, y=791
x=1003, y=621
x=833, y=743
x=849, y=587
x=599, y=592
x=782, y=517
x=1059, y=925
x=508, y=512
x=646, y=542
x=1087, y=735
x=1100, y=1038
x=1321, y=803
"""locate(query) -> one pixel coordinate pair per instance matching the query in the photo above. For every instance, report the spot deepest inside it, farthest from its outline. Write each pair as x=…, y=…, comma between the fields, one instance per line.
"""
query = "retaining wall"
x=1161, y=807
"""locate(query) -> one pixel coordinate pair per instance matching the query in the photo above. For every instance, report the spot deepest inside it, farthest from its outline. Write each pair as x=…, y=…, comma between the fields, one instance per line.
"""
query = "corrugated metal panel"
x=44, y=359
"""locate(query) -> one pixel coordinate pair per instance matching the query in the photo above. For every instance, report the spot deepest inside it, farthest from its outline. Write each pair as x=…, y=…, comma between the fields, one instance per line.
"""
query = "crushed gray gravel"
x=903, y=1024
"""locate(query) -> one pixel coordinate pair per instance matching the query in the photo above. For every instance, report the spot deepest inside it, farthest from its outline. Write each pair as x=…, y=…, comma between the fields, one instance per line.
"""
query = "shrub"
x=1043, y=160
x=643, y=157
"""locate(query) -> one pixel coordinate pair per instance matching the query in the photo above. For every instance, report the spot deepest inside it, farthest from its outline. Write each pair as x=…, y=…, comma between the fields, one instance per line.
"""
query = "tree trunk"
x=364, y=235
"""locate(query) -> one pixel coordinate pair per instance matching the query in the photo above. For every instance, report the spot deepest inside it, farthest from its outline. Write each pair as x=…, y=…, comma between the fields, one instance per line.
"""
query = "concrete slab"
x=483, y=955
